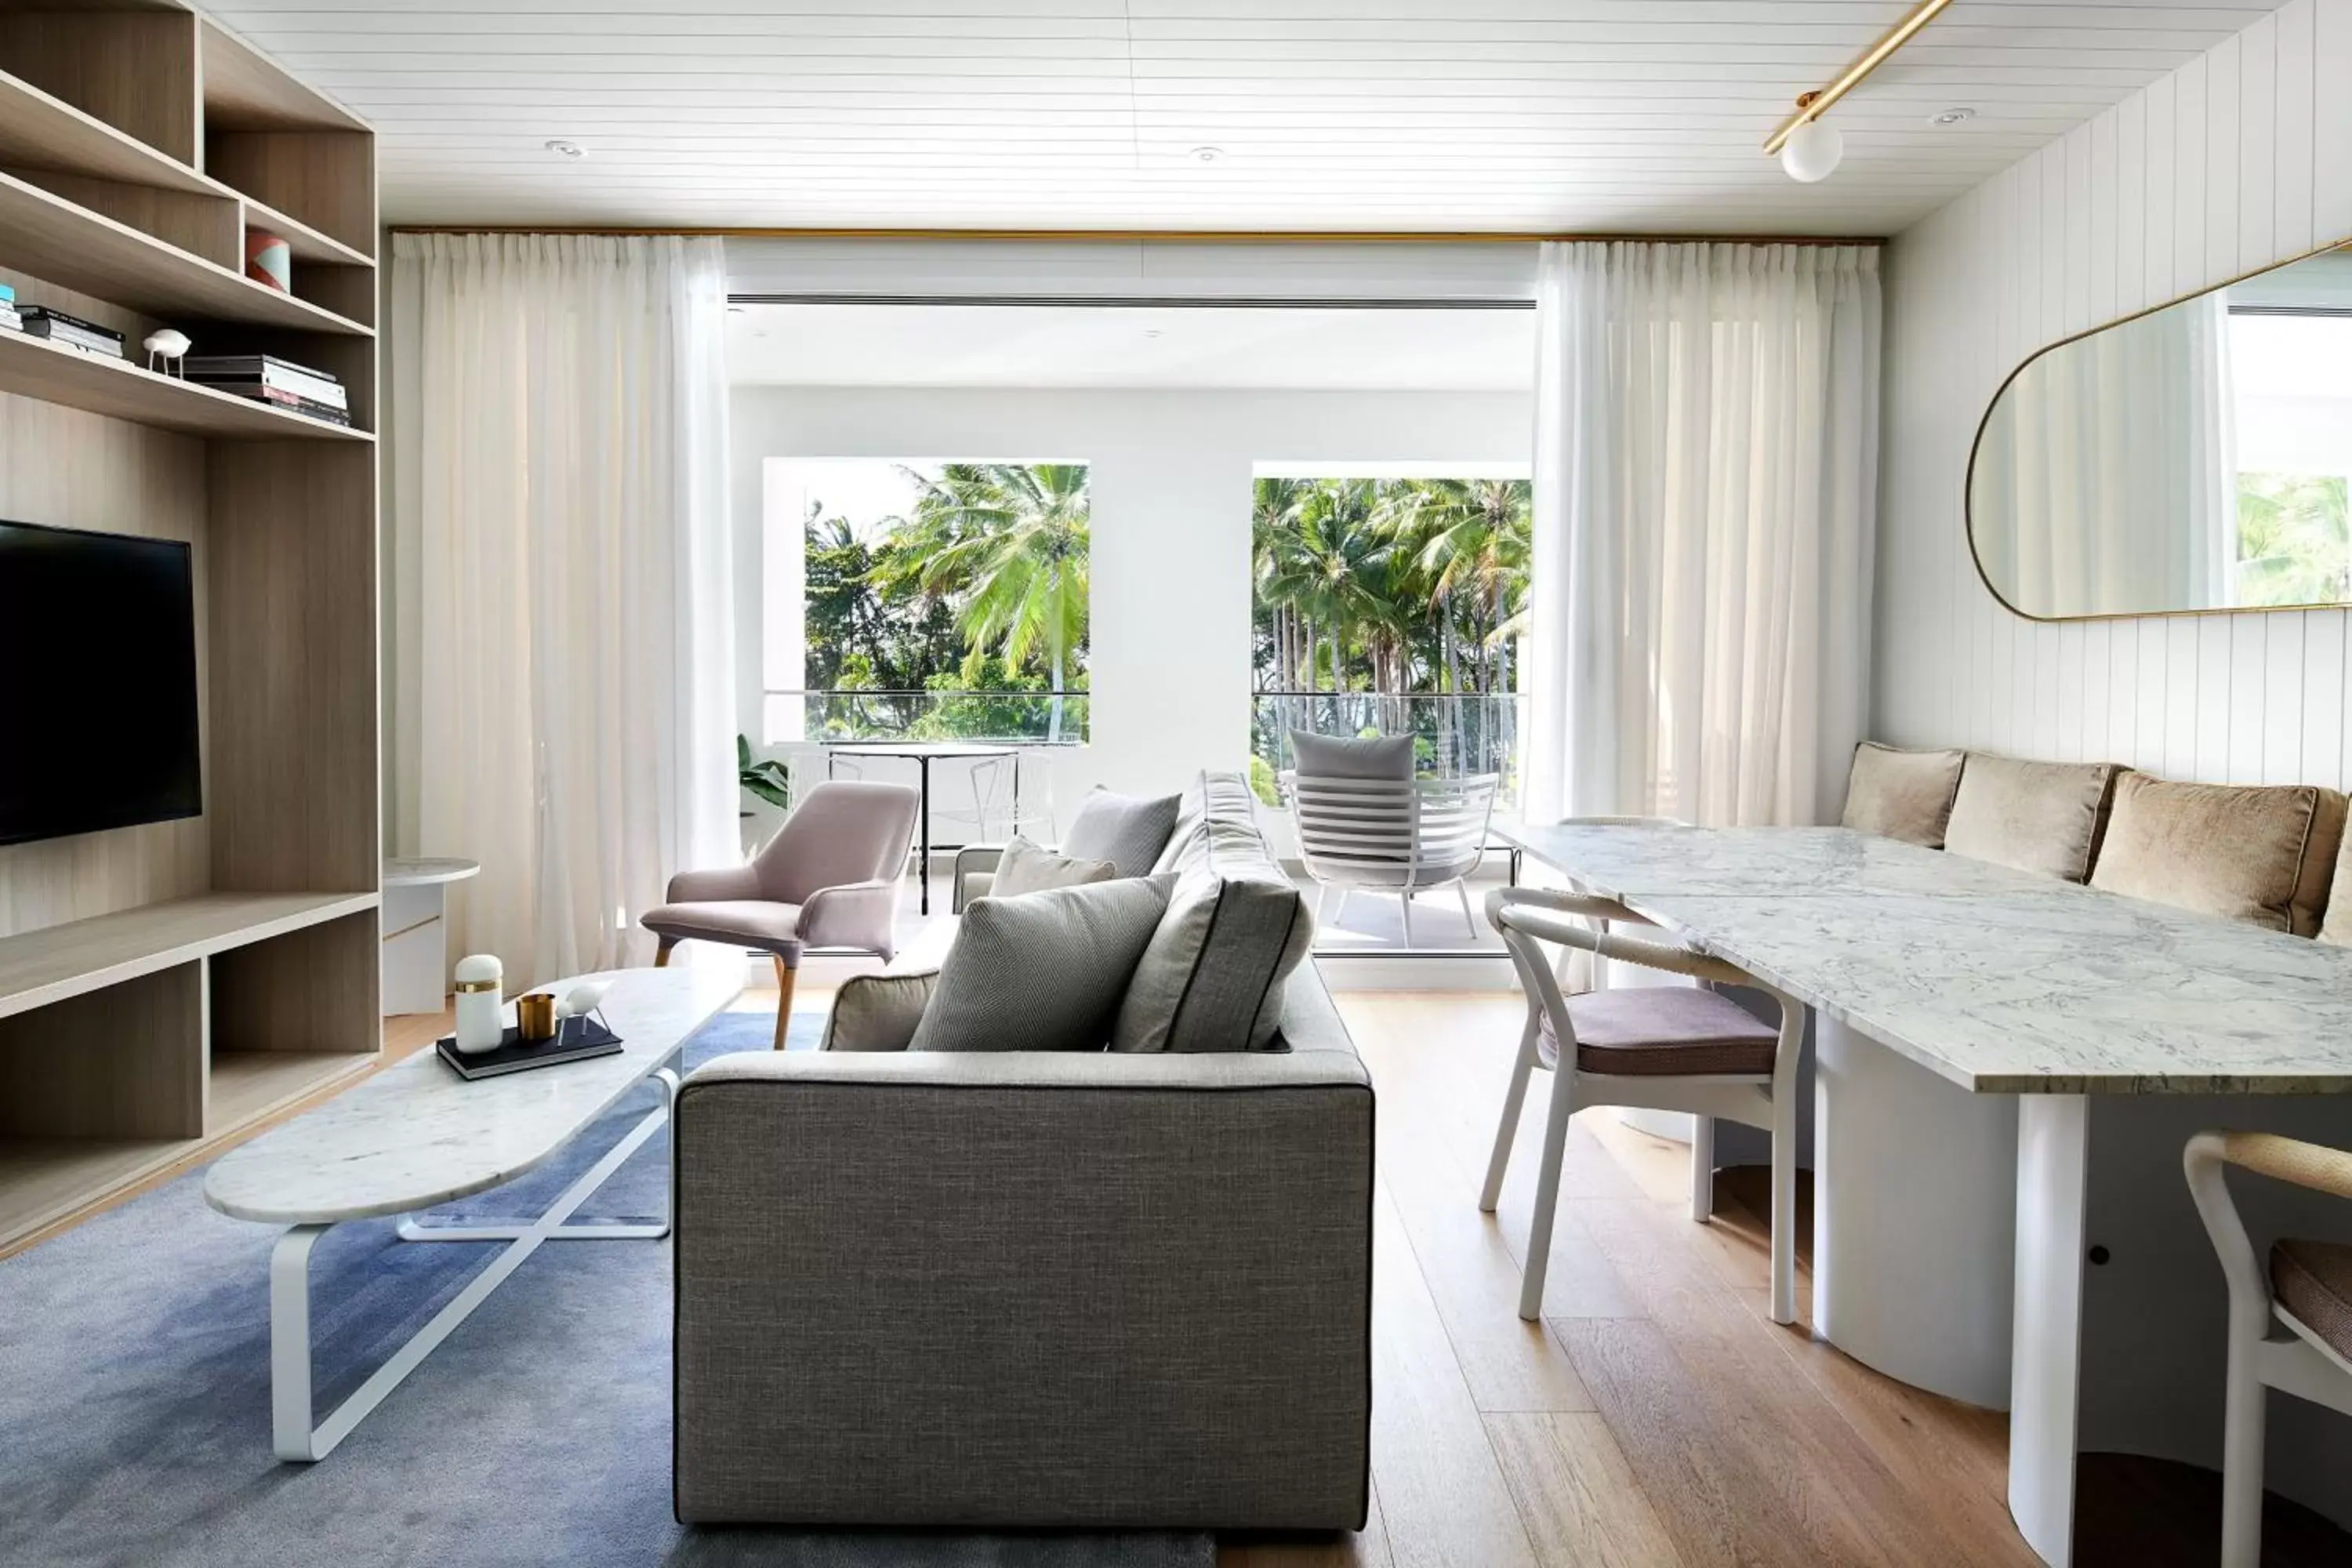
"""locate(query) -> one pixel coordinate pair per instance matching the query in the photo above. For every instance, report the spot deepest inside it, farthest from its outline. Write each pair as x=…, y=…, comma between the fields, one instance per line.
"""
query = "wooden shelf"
x=40, y=131
x=246, y=91
x=43, y=1180
x=306, y=243
x=61, y=961
x=70, y=246
x=34, y=367
x=249, y=1085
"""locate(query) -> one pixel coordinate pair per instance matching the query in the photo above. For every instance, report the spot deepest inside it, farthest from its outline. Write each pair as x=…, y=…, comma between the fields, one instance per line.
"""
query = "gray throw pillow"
x=1123, y=829
x=1348, y=757
x=1212, y=976
x=877, y=1011
x=1043, y=972
x=1025, y=868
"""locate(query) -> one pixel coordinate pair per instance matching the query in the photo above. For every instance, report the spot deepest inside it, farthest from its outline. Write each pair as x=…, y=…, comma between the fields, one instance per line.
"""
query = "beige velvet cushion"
x=1024, y=867
x=2036, y=817
x=1635, y=1031
x=877, y=1011
x=1902, y=795
x=2338, y=926
x=2257, y=853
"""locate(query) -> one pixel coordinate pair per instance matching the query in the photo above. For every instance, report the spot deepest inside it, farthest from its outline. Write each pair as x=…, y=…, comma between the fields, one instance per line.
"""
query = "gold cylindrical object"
x=535, y=1015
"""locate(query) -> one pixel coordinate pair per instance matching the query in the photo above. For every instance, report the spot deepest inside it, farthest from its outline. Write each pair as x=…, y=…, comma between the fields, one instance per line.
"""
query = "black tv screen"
x=97, y=682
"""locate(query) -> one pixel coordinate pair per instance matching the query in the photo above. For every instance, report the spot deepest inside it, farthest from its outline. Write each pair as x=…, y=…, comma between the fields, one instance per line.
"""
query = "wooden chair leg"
x=785, y=975
x=661, y=951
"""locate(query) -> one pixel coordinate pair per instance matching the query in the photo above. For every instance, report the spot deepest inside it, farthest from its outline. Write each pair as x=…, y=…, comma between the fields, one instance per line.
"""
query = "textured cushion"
x=774, y=928
x=877, y=1011
x=1043, y=972
x=1902, y=795
x=2036, y=817
x=1126, y=830
x=1212, y=979
x=2256, y=852
x=1637, y=1031
x=2337, y=927
x=1348, y=757
x=2313, y=1280
x=1026, y=869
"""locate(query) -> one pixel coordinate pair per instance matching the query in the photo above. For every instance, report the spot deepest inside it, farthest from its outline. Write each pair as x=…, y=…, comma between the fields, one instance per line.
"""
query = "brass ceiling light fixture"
x=1810, y=150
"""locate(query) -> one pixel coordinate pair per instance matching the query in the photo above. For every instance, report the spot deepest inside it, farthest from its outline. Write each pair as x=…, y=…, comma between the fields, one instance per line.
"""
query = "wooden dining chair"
x=2307, y=1289
x=1662, y=1048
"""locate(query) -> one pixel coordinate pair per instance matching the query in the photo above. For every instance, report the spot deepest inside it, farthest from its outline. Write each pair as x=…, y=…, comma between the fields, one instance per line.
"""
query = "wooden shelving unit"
x=163, y=987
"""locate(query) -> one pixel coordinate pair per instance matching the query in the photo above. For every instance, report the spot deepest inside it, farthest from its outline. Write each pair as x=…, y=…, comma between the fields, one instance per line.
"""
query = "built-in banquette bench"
x=2266, y=855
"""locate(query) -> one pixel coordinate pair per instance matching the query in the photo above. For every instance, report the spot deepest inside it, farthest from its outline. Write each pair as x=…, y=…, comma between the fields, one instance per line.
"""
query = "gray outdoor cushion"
x=1025, y=867
x=1212, y=979
x=1126, y=830
x=1043, y=972
x=1348, y=757
x=877, y=1011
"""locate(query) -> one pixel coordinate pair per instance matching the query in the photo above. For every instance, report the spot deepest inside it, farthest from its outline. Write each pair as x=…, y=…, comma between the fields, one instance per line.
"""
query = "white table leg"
x=2045, y=1375
x=291, y=1412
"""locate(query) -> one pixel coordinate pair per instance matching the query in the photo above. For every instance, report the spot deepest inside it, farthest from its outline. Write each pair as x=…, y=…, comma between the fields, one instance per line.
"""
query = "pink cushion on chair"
x=1641, y=1031
x=772, y=928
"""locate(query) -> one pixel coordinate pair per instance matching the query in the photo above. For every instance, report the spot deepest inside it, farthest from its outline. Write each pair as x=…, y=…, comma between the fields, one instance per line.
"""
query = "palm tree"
x=1345, y=557
x=2295, y=540
x=1274, y=535
x=1008, y=543
x=1477, y=547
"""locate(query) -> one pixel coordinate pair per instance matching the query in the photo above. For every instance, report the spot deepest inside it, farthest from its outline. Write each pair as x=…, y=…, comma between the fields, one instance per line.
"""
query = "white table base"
x=1913, y=1218
x=292, y=1411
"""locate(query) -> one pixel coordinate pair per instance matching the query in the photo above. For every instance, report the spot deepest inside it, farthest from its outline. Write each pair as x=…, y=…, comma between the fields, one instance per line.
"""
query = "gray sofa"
x=1026, y=1289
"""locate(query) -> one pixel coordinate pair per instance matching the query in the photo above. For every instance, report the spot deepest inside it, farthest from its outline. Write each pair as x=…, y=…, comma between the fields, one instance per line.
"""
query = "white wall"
x=2241, y=158
x=1172, y=480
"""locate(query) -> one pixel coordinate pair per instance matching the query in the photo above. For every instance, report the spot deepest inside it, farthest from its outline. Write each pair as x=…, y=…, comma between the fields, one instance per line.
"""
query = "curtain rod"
x=1166, y=235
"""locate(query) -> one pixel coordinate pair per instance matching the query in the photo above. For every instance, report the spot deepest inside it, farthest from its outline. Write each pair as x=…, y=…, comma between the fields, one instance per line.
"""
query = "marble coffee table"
x=416, y=1135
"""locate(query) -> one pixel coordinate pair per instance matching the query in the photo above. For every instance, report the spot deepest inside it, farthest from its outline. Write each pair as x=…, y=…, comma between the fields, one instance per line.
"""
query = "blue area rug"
x=134, y=1397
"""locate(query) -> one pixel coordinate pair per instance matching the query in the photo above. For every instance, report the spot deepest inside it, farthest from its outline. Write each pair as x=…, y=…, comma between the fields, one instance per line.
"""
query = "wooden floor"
x=1657, y=1416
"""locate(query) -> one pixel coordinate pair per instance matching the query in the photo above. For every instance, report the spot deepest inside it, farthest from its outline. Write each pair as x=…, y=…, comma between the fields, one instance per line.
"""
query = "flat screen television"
x=97, y=682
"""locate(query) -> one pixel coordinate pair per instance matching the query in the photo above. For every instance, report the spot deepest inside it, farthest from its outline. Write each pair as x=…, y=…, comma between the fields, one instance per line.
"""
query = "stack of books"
x=42, y=322
x=279, y=383
x=9, y=316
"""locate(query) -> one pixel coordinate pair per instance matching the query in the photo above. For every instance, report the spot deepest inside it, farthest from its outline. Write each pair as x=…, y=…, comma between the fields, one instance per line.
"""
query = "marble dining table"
x=2006, y=1067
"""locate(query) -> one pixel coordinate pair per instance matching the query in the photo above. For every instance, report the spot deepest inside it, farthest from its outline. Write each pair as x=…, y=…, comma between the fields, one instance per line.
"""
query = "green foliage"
x=1392, y=586
x=983, y=589
x=2294, y=545
x=767, y=778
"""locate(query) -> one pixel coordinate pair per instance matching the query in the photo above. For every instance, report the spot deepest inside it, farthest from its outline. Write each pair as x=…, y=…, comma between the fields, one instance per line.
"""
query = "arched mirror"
x=2192, y=458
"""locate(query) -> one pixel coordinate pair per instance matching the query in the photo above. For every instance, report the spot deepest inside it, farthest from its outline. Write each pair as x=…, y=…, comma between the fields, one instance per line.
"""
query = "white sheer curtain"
x=562, y=686
x=1707, y=449
x=2105, y=482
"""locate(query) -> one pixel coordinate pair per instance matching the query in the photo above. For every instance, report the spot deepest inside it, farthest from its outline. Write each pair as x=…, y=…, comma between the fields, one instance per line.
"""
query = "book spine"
x=40, y=327
x=315, y=389
x=74, y=323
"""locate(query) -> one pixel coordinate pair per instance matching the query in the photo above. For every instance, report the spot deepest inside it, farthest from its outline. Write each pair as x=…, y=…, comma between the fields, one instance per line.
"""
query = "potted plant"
x=764, y=779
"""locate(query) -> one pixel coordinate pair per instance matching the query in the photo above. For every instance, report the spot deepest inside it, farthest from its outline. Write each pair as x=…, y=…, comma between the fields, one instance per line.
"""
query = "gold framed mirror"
x=2191, y=459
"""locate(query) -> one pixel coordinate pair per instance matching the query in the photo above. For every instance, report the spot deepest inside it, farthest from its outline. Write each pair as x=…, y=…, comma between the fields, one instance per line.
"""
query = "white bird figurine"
x=167, y=345
x=581, y=999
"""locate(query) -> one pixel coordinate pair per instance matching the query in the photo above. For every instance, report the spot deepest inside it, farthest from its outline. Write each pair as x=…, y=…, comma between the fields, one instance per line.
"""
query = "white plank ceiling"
x=1624, y=115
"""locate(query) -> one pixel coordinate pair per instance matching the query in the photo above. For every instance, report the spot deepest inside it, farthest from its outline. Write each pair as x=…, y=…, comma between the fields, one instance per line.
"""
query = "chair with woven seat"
x=2307, y=1289
x=830, y=879
x=1662, y=1048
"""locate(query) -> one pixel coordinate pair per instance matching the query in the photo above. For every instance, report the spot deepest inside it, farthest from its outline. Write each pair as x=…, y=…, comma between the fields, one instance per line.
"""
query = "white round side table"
x=416, y=937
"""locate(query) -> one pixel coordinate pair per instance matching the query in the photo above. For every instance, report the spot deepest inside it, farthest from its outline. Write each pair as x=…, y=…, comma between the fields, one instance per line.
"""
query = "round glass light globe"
x=1811, y=151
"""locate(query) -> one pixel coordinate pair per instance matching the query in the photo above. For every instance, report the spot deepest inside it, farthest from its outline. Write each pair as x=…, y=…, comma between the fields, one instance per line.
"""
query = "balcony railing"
x=1452, y=733
x=1041, y=718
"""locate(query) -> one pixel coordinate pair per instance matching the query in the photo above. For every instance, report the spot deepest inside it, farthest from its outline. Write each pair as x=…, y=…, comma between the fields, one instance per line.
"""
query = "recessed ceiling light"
x=563, y=149
x=1151, y=332
x=1952, y=117
x=1207, y=154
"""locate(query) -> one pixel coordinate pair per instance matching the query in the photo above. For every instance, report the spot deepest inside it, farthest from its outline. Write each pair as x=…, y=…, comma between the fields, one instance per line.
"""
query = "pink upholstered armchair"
x=829, y=878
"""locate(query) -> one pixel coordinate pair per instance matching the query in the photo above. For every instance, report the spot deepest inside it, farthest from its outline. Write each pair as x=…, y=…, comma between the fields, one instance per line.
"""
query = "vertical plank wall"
x=2241, y=157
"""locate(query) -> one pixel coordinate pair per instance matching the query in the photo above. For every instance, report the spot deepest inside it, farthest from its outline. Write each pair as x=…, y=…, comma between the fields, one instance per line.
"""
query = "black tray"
x=576, y=1040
